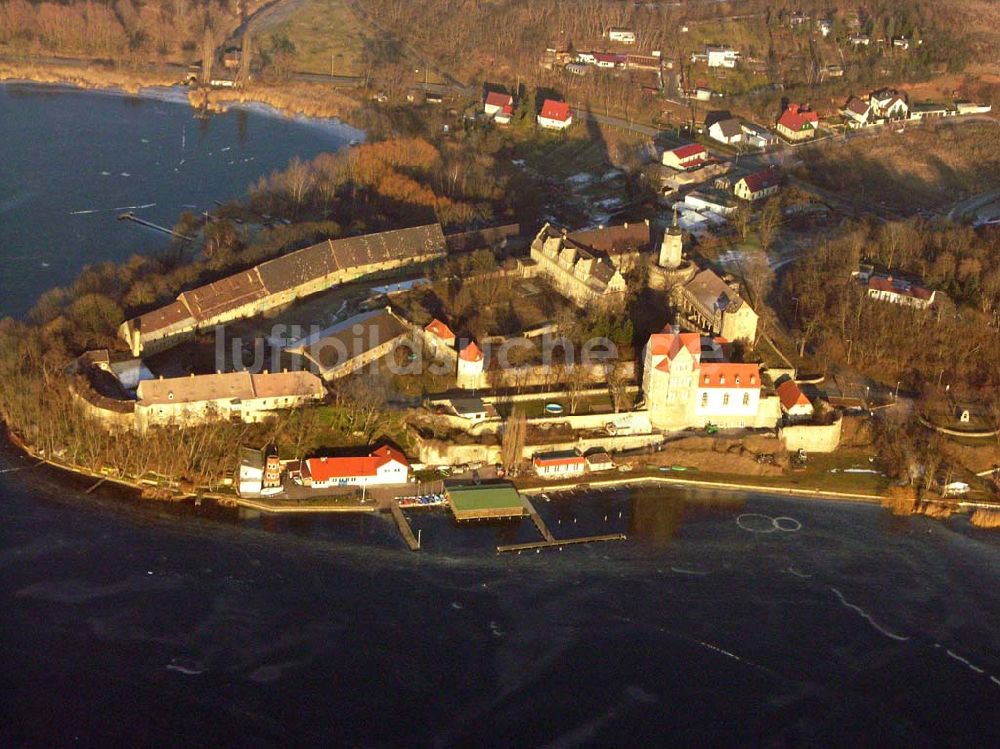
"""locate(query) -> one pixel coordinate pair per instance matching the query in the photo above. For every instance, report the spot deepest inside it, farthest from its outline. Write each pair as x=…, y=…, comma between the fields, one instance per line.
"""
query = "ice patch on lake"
x=960, y=659
x=583, y=178
x=188, y=669
x=866, y=616
x=683, y=571
x=792, y=571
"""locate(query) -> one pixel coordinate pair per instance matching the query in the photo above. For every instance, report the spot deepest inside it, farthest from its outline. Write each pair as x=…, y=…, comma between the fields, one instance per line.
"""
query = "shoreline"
x=311, y=103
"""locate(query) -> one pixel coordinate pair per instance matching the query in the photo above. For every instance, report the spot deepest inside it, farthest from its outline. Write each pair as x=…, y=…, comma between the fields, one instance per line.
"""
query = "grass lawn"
x=323, y=32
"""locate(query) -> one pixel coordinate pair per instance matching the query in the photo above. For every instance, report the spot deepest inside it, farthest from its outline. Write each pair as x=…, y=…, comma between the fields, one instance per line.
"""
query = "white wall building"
x=385, y=466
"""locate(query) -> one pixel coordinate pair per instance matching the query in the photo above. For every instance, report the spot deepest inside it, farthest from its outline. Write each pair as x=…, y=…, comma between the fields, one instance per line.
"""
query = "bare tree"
x=768, y=223
x=515, y=433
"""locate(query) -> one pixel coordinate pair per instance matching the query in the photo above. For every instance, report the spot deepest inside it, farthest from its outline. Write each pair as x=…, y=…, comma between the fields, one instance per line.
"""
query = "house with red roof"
x=685, y=158
x=688, y=382
x=758, y=185
x=798, y=123
x=440, y=339
x=495, y=103
x=555, y=115
x=794, y=402
x=384, y=466
x=559, y=464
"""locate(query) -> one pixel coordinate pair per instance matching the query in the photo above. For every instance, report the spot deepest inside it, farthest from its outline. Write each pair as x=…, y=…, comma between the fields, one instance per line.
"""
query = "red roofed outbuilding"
x=758, y=185
x=793, y=400
x=495, y=102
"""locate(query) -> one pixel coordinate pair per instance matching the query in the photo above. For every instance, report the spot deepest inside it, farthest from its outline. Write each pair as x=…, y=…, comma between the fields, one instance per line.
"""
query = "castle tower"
x=672, y=246
x=471, y=363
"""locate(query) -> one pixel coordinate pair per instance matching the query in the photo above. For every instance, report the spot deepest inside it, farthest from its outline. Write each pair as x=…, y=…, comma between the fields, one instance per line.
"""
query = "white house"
x=559, y=464
x=726, y=131
x=495, y=103
x=794, y=403
x=622, y=36
x=385, y=466
x=711, y=202
x=899, y=291
x=473, y=409
x=555, y=115
x=686, y=157
x=758, y=185
x=721, y=57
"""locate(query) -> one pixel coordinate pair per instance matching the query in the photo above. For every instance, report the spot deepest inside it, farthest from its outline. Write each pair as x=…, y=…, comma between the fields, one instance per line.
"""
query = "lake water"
x=725, y=620
x=71, y=161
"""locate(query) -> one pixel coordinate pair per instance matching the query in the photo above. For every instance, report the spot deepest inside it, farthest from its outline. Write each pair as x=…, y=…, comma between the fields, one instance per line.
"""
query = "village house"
x=609, y=60
x=717, y=307
x=726, y=131
x=930, y=110
x=794, y=404
x=889, y=104
x=350, y=345
x=721, y=57
x=580, y=272
x=622, y=36
x=859, y=40
x=798, y=123
x=886, y=288
x=472, y=409
x=758, y=185
x=278, y=282
x=232, y=396
x=858, y=113
x=384, y=466
x=555, y=115
x=687, y=382
x=496, y=102
x=560, y=464
x=685, y=158
x=825, y=26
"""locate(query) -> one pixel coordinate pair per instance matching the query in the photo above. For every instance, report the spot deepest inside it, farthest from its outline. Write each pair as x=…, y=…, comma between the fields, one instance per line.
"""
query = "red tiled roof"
x=762, y=180
x=555, y=110
x=496, y=99
x=668, y=344
x=439, y=329
x=898, y=286
x=471, y=352
x=323, y=469
x=689, y=150
x=729, y=375
x=559, y=460
x=791, y=396
x=796, y=117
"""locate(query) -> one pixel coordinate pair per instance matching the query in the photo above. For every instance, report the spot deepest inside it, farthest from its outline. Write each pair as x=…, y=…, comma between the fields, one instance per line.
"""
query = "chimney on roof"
x=218, y=371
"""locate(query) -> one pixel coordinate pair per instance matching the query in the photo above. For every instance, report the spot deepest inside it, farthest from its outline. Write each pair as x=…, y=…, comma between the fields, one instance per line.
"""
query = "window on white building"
x=704, y=399
x=725, y=399
x=746, y=399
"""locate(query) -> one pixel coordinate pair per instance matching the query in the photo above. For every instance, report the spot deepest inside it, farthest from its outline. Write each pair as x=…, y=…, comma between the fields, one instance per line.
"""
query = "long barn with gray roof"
x=279, y=281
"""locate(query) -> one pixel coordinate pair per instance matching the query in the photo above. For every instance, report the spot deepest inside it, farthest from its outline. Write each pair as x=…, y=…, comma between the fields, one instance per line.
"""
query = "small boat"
x=553, y=408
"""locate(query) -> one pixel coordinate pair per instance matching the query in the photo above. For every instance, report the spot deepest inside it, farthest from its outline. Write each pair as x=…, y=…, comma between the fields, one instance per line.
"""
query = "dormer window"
x=753, y=379
x=706, y=379
x=722, y=379
x=737, y=379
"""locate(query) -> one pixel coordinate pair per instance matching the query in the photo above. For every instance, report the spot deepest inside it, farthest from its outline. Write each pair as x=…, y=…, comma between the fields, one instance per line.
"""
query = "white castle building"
x=687, y=382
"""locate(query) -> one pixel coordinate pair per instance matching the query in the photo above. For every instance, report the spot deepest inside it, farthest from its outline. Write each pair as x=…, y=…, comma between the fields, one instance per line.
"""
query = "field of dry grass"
x=329, y=38
x=929, y=167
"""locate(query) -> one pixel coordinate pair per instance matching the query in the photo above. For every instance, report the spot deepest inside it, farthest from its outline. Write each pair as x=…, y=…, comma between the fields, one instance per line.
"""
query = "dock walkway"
x=404, y=527
x=537, y=520
x=533, y=545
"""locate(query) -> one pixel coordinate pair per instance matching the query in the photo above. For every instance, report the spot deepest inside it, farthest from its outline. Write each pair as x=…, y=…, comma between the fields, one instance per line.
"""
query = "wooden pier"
x=537, y=520
x=129, y=216
x=404, y=527
x=539, y=545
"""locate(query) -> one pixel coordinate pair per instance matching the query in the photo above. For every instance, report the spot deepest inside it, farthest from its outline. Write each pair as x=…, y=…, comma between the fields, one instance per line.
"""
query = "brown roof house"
x=585, y=274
